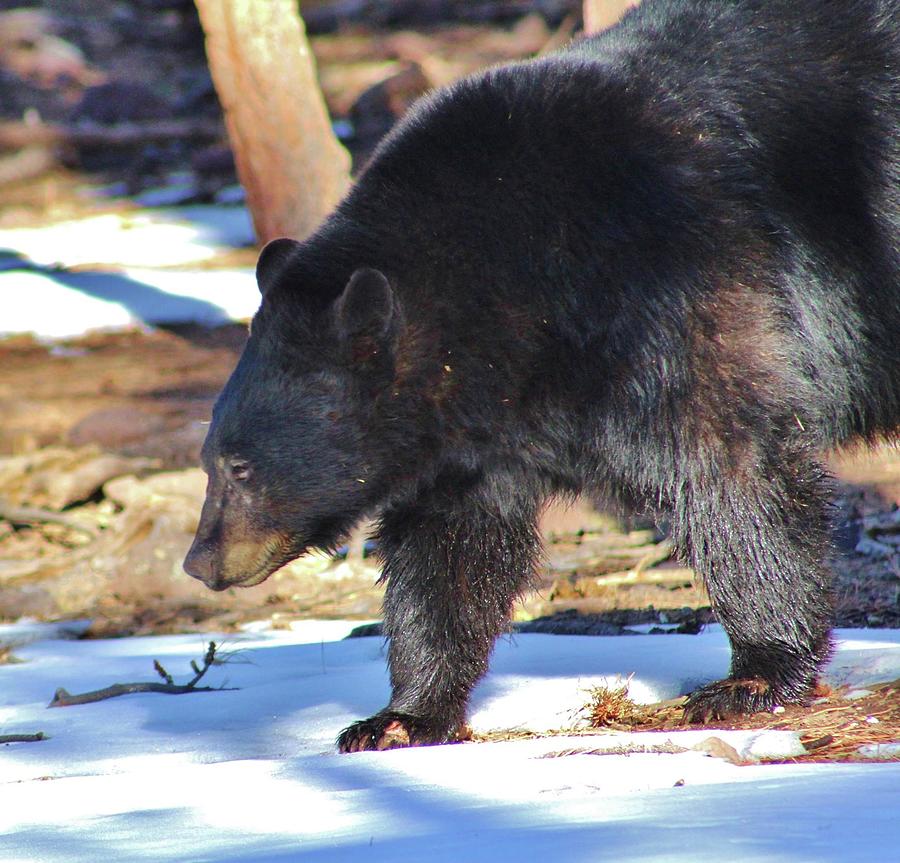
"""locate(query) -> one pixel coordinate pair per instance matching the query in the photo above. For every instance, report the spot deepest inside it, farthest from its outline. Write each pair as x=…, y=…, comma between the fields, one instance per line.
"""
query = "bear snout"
x=199, y=564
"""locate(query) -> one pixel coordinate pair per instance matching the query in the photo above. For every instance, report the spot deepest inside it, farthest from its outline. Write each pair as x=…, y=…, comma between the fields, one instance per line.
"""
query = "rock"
x=136, y=560
x=56, y=477
x=113, y=427
x=178, y=494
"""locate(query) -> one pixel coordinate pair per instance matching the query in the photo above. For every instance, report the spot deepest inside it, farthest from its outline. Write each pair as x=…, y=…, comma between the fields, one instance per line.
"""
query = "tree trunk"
x=600, y=14
x=291, y=165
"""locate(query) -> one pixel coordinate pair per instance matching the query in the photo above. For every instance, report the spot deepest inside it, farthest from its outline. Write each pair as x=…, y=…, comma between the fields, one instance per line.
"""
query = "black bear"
x=660, y=266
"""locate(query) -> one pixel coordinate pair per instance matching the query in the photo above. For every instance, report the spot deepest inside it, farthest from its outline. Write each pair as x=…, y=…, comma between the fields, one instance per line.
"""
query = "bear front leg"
x=453, y=569
x=759, y=543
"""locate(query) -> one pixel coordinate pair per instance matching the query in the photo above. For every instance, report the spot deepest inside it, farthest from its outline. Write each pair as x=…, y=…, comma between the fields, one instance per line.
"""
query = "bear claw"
x=389, y=730
x=728, y=698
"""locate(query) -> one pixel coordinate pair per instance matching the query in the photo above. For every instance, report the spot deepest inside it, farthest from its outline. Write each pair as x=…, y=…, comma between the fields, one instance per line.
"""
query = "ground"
x=144, y=395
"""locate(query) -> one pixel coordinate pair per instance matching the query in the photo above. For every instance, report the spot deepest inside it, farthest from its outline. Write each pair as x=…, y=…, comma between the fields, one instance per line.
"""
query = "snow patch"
x=251, y=775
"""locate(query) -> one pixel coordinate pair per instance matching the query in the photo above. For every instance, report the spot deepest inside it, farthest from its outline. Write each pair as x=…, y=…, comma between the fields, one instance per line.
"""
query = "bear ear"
x=366, y=307
x=273, y=261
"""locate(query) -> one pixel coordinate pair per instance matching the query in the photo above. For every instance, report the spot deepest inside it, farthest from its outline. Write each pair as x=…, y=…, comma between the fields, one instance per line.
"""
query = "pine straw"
x=7, y=657
x=832, y=728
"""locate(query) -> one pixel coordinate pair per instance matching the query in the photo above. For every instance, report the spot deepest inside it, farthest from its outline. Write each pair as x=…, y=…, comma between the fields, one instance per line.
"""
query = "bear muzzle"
x=239, y=564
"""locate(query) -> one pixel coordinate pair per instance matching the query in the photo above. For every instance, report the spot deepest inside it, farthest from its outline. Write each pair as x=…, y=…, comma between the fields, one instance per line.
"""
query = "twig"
x=34, y=515
x=22, y=738
x=667, y=748
x=62, y=698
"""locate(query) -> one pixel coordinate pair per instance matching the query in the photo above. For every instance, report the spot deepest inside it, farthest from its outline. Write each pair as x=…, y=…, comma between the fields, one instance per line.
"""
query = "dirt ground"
x=105, y=431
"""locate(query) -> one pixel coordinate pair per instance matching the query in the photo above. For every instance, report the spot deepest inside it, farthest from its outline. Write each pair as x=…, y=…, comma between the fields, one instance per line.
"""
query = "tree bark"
x=600, y=14
x=292, y=167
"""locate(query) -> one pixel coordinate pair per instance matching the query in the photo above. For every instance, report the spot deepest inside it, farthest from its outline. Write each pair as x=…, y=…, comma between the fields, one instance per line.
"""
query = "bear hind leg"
x=759, y=543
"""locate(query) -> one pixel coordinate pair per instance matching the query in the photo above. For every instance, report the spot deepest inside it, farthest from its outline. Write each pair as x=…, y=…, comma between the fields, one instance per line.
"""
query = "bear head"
x=292, y=453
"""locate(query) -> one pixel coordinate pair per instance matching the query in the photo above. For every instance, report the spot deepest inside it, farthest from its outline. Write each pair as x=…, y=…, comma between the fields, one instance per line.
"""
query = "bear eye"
x=238, y=470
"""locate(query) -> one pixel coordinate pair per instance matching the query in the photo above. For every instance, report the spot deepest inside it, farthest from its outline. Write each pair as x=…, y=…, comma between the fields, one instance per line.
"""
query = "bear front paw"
x=392, y=730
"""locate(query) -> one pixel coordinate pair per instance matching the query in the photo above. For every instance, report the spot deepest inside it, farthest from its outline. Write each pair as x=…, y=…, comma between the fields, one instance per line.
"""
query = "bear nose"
x=199, y=563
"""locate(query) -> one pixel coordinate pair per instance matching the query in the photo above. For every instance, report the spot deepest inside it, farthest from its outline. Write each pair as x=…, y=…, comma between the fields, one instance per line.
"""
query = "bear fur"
x=659, y=267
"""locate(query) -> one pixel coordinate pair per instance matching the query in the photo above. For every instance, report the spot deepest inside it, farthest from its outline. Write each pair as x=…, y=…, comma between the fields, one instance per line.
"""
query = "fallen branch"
x=675, y=575
x=22, y=738
x=29, y=515
x=16, y=135
x=62, y=698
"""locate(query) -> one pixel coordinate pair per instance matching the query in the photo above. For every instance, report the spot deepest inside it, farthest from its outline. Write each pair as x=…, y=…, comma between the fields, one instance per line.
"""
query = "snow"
x=155, y=238
x=112, y=271
x=250, y=773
